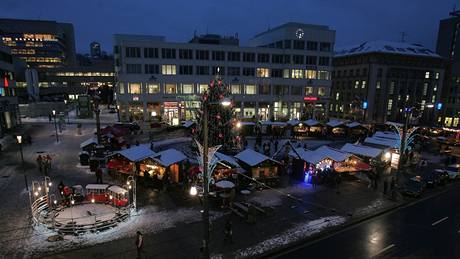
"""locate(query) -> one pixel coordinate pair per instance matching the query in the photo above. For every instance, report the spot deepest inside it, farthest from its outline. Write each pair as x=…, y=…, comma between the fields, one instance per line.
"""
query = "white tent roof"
x=381, y=141
x=362, y=150
x=117, y=189
x=137, y=153
x=386, y=134
x=97, y=186
x=353, y=124
x=335, y=123
x=306, y=155
x=323, y=152
x=293, y=122
x=392, y=47
x=88, y=142
x=274, y=123
x=228, y=159
x=333, y=153
x=311, y=122
x=169, y=156
x=252, y=157
x=248, y=123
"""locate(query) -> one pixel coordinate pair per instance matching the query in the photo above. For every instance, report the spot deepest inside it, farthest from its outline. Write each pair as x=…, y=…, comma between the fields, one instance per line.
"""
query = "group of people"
x=44, y=163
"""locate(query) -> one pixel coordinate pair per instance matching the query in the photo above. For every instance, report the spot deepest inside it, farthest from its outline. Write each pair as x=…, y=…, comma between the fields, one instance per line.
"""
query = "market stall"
x=89, y=145
x=337, y=128
x=314, y=127
x=127, y=161
x=362, y=151
x=260, y=167
x=356, y=130
x=166, y=163
x=227, y=167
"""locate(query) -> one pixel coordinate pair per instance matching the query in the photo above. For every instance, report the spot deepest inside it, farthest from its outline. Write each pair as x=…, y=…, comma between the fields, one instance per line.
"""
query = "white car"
x=453, y=171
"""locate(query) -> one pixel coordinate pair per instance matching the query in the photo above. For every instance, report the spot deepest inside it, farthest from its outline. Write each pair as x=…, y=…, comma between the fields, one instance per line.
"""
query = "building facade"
x=283, y=73
x=41, y=44
x=9, y=116
x=95, y=49
x=376, y=80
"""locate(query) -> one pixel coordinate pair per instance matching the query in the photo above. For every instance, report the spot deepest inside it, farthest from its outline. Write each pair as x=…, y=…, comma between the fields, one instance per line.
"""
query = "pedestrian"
x=39, y=163
x=228, y=231
x=314, y=180
x=337, y=182
x=139, y=243
x=48, y=159
x=99, y=175
x=49, y=117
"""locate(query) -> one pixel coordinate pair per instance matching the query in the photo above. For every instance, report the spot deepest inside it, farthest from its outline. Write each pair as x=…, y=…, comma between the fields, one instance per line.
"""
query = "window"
x=249, y=71
x=379, y=72
x=277, y=59
x=202, y=70
x=297, y=73
x=150, y=52
x=134, y=88
x=299, y=44
x=356, y=84
x=218, y=55
x=277, y=73
x=425, y=88
x=185, y=54
x=325, y=46
x=233, y=56
x=390, y=104
x=308, y=90
x=323, y=61
x=311, y=60
x=202, y=54
x=202, y=88
x=218, y=70
x=263, y=57
x=310, y=74
x=235, y=89
x=250, y=89
x=121, y=88
x=433, y=98
x=363, y=84
x=296, y=90
x=185, y=70
x=337, y=96
x=321, y=91
x=298, y=59
x=279, y=90
x=285, y=73
x=287, y=44
x=153, y=88
x=392, y=87
x=168, y=53
x=436, y=75
x=264, y=89
x=287, y=59
x=170, y=89
x=133, y=52
x=427, y=75
x=151, y=69
x=263, y=72
x=187, y=88
x=133, y=68
x=377, y=85
x=233, y=71
x=249, y=57
x=168, y=69
x=312, y=45
x=323, y=75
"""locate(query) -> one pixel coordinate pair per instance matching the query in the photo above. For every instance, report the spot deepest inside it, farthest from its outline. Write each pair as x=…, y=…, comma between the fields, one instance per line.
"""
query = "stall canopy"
x=311, y=122
x=335, y=123
x=386, y=135
x=117, y=189
x=88, y=142
x=321, y=153
x=274, y=123
x=306, y=155
x=354, y=124
x=332, y=153
x=293, y=122
x=247, y=123
x=361, y=150
x=169, y=157
x=227, y=160
x=253, y=158
x=137, y=153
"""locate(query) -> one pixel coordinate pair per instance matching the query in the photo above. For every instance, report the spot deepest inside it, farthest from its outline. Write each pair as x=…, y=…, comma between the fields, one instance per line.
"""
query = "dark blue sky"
x=354, y=20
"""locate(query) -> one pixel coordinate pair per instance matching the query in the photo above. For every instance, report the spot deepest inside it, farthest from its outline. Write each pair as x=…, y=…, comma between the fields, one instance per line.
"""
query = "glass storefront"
x=171, y=113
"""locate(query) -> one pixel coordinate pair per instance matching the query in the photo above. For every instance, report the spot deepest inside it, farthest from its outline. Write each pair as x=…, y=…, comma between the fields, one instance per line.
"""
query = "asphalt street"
x=427, y=229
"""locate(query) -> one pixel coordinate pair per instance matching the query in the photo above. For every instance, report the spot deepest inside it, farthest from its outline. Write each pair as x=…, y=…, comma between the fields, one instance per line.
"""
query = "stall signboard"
x=310, y=98
x=394, y=160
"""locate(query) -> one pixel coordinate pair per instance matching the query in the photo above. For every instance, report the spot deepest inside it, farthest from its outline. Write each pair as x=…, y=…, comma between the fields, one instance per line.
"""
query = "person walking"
x=139, y=243
x=40, y=163
x=228, y=231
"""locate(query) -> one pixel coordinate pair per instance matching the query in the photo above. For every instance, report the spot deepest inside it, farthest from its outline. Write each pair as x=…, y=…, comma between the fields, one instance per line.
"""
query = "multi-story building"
x=9, y=116
x=95, y=49
x=283, y=73
x=376, y=80
x=42, y=44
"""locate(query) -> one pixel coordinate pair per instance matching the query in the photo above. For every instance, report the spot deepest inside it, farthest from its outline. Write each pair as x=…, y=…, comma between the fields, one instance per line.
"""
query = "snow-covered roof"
x=169, y=156
x=137, y=153
x=117, y=189
x=311, y=122
x=88, y=142
x=335, y=123
x=333, y=153
x=293, y=122
x=381, y=141
x=96, y=186
x=386, y=135
x=274, y=123
x=247, y=123
x=187, y=123
x=306, y=155
x=354, y=124
x=362, y=150
x=380, y=46
x=252, y=157
x=227, y=159
x=321, y=153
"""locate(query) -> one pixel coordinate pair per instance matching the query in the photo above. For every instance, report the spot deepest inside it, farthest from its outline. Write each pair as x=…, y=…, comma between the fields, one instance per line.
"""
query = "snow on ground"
x=295, y=233
x=372, y=208
x=79, y=214
x=272, y=198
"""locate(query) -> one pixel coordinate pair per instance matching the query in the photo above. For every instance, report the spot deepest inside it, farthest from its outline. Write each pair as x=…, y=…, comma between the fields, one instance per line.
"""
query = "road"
x=427, y=229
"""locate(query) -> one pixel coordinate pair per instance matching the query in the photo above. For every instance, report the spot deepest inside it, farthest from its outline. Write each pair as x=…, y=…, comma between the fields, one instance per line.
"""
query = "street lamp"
x=67, y=110
x=118, y=112
x=55, y=126
x=193, y=191
x=131, y=182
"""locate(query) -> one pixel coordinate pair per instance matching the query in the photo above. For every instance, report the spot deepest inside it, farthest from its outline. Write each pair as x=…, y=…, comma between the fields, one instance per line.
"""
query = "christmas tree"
x=220, y=118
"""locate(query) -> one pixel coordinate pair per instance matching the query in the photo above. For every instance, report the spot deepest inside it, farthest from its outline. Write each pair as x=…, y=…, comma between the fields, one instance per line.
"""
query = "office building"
x=280, y=75
x=41, y=44
x=375, y=81
x=9, y=116
x=95, y=49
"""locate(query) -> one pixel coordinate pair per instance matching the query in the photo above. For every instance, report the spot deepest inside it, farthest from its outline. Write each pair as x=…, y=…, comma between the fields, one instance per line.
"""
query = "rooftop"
x=295, y=25
x=390, y=47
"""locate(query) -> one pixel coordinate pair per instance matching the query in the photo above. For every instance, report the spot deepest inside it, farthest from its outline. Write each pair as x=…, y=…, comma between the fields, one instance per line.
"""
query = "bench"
x=258, y=208
x=237, y=213
x=240, y=206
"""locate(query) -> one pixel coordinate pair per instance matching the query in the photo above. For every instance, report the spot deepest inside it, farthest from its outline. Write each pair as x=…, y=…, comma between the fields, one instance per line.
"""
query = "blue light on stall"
x=365, y=105
x=1, y=90
x=438, y=106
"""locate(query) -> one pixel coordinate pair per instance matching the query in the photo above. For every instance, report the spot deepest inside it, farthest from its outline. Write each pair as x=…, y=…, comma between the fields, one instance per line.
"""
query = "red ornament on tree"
x=221, y=96
x=220, y=135
x=218, y=116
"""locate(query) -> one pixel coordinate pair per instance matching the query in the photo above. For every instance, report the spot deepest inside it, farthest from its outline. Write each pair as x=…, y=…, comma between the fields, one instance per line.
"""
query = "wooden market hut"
x=260, y=167
x=169, y=161
x=362, y=151
x=89, y=145
x=356, y=130
x=336, y=128
x=127, y=161
x=313, y=127
x=227, y=167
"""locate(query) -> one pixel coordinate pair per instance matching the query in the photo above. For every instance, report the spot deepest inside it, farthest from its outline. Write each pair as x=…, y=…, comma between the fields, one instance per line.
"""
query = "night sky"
x=354, y=20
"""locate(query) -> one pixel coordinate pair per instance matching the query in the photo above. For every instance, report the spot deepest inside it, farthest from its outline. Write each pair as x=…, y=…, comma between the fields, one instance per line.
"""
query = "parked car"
x=413, y=187
x=453, y=171
x=431, y=178
x=443, y=176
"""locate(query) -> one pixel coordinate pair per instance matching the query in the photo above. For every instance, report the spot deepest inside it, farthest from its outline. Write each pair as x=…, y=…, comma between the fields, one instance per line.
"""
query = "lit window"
x=425, y=88
x=427, y=75
x=153, y=88
x=422, y=106
x=377, y=85
x=310, y=74
x=134, y=88
x=337, y=96
x=203, y=88
x=297, y=73
x=436, y=76
x=392, y=87
x=187, y=88
x=285, y=73
x=433, y=98
x=308, y=90
x=168, y=69
x=250, y=89
x=321, y=91
x=170, y=89
x=356, y=84
x=363, y=84
x=390, y=104
x=235, y=89
x=323, y=75
x=263, y=72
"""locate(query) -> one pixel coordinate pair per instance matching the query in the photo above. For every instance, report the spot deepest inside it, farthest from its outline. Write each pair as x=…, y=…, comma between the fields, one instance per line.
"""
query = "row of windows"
x=85, y=74
x=300, y=44
x=172, y=88
x=231, y=71
x=170, y=53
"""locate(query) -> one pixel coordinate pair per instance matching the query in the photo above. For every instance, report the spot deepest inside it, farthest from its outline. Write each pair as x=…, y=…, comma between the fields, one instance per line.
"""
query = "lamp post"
x=132, y=186
x=118, y=112
x=96, y=100
x=365, y=104
x=67, y=110
x=19, y=139
x=55, y=125
x=206, y=176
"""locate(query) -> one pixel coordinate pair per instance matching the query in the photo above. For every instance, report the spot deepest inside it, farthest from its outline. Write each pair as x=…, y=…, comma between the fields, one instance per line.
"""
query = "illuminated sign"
x=365, y=105
x=438, y=106
x=310, y=98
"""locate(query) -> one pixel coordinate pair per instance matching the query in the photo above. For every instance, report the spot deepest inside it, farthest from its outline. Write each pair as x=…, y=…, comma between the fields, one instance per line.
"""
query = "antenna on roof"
x=403, y=36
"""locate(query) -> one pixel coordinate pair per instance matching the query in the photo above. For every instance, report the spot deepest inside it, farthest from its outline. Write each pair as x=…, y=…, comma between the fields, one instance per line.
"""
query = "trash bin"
x=84, y=158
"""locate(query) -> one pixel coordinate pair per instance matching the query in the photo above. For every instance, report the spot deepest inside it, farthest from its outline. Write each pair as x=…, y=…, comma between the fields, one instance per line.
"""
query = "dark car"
x=413, y=188
x=432, y=178
x=443, y=176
